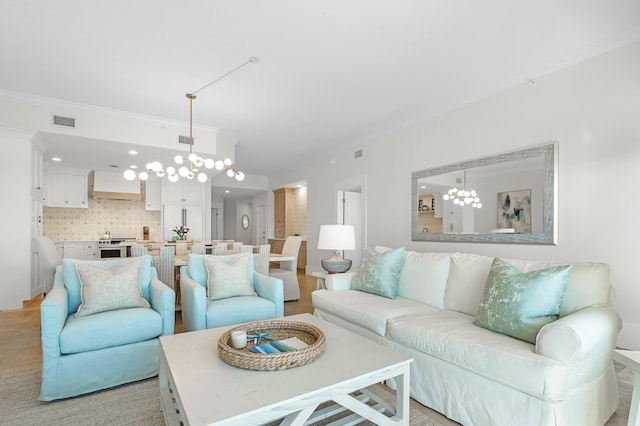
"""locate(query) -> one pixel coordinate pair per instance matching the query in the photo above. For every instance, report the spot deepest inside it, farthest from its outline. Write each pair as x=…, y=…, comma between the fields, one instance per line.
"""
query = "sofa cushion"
x=237, y=310
x=424, y=277
x=380, y=273
x=369, y=311
x=108, y=329
x=467, y=276
x=519, y=304
x=72, y=281
x=228, y=279
x=451, y=336
x=106, y=289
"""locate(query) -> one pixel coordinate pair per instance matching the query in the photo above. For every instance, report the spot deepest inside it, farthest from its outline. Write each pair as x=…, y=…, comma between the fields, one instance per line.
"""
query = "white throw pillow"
x=228, y=279
x=105, y=289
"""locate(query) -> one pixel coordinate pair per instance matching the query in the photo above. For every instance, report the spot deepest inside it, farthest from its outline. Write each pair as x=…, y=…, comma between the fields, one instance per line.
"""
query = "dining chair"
x=137, y=251
x=288, y=270
x=235, y=248
x=246, y=248
x=181, y=248
x=198, y=248
x=219, y=250
x=261, y=259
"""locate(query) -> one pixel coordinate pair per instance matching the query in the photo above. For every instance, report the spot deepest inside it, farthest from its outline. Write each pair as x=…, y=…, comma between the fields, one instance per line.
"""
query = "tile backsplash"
x=121, y=218
x=300, y=212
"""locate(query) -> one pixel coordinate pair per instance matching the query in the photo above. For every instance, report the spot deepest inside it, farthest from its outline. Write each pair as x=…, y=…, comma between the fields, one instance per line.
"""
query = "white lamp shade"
x=337, y=237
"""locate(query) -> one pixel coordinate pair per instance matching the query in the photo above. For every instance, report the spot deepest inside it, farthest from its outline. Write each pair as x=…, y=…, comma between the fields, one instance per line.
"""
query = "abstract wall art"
x=514, y=210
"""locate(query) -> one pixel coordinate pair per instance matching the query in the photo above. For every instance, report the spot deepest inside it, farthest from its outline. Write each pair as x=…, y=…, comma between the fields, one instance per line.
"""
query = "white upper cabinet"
x=152, y=198
x=67, y=188
x=184, y=191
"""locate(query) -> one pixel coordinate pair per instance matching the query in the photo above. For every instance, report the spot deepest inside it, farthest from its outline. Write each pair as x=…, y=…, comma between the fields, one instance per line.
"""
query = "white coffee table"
x=198, y=388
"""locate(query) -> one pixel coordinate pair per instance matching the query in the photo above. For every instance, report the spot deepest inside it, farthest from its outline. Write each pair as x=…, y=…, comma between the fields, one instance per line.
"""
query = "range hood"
x=113, y=186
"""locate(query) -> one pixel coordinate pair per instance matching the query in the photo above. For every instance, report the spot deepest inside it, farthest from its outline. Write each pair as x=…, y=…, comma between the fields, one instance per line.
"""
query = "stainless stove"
x=112, y=247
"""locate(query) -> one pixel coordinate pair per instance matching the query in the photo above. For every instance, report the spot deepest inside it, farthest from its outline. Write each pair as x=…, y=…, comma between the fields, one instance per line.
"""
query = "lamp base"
x=336, y=264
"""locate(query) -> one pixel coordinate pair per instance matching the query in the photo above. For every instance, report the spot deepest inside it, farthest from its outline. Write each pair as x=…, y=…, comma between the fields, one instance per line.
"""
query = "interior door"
x=350, y=212
x=261, y=224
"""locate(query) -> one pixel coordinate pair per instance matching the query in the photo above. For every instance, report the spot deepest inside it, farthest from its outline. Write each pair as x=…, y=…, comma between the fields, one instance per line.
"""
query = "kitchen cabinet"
x=152, y=198
x=183, y=191
x=82, y=250
x=283, y=212
x=67, y=188
x=183, y=214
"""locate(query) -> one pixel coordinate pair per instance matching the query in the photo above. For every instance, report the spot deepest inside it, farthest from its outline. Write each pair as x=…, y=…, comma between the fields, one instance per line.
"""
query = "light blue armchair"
x=199, y=312
x=106, y=349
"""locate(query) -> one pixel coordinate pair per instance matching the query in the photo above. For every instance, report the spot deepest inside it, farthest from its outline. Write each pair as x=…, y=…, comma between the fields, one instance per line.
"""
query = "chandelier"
x=463, y=197
x=187, y=167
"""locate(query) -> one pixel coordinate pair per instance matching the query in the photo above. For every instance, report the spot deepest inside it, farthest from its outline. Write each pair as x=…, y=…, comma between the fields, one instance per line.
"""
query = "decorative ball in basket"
x=273, y=330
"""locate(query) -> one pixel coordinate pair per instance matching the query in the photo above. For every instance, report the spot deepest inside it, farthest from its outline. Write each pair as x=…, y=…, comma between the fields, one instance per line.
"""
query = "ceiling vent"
x=59, y=120
x=185, y=140
x=358, y=154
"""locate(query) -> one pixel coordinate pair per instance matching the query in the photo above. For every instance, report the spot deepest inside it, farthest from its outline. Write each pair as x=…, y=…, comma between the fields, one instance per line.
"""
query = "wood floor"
x=20, y=329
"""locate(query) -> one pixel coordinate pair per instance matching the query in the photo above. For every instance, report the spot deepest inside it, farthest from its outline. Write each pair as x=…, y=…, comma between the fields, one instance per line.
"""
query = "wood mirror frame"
x=547, y=158
x=244, y=221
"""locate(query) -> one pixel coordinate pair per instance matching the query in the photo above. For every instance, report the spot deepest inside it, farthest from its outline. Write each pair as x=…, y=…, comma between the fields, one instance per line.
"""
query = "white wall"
x=592, y=109
x=15, y=216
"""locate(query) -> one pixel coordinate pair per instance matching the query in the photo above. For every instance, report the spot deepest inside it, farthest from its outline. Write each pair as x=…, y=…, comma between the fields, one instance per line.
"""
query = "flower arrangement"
x=182, y=231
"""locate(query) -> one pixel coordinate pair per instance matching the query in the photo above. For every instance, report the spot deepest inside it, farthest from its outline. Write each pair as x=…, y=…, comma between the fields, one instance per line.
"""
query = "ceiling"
x=332, y=73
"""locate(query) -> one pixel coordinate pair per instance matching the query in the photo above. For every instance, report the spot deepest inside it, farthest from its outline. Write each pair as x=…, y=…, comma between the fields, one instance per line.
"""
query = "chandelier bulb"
x=227, y=162
x=219, y=165
x=173, y=178
x=178, y=159
x=240, y=176
x=129, y=174
x=230, y=173
x=209, y=163
x=202, y=177
x=143, y=176
x=183, y=171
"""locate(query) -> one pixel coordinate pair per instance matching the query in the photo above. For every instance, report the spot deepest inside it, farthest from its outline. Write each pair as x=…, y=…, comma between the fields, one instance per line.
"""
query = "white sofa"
x=476, y=376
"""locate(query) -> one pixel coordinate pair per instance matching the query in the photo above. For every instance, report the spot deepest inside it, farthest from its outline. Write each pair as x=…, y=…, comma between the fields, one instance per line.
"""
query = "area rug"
x=137, y=403
x=132, y=404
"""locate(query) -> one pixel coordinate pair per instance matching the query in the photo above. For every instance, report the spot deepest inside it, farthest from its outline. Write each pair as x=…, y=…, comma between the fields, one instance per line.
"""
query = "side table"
x=631, y=359
x=320, y=276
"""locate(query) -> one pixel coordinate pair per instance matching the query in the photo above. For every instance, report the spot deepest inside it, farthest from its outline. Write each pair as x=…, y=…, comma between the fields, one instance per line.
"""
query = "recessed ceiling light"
x=133, y=152
x=133, y=166
x=56, y=159
x=226, y=191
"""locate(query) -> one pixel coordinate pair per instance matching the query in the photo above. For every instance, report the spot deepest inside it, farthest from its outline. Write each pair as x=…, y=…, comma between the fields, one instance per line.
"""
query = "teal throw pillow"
x=519, y=304
x=380, y=274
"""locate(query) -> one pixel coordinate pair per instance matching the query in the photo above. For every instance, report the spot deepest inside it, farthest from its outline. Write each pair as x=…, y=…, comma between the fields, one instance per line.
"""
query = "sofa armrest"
x=53, y=315
x=339, y=282
x=193, y=298
x=584, y=334
x=270, y=288
x=163, y=301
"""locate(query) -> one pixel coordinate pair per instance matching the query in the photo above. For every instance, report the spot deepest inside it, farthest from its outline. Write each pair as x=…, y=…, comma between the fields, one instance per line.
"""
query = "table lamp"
x=336, y=238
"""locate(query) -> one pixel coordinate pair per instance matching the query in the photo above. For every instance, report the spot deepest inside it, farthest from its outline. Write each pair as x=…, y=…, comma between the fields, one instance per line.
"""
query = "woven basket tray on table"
x=278, y=329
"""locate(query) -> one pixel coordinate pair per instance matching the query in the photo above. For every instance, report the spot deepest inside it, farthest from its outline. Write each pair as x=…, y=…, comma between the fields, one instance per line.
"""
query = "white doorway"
x=351, y=210
x=216, y=224
x=261, y=225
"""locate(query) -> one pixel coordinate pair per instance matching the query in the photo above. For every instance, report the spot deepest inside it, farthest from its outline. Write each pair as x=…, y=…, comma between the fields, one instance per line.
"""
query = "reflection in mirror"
x=506, y=198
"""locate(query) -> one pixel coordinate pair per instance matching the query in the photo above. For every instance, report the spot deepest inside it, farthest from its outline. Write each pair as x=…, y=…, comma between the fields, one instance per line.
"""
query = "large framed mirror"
x=506, y=198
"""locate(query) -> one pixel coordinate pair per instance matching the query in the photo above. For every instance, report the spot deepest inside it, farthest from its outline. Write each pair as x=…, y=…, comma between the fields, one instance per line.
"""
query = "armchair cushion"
x=108, y=329
x=72, y=281
x=236, y=310
x=105, y=289
x=520, y=304
x=198, y=269
x=229, y=277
